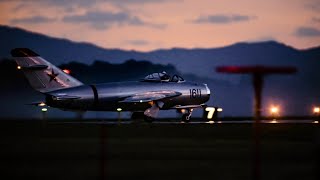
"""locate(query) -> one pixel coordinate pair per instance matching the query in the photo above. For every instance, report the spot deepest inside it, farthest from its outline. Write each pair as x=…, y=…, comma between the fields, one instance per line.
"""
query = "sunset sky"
x=146, y=25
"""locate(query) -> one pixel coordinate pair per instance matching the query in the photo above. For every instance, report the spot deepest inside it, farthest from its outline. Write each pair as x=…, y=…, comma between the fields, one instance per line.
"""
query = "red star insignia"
x=52, y=76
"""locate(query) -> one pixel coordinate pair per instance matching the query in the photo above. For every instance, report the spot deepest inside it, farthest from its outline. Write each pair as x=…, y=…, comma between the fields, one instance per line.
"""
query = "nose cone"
x=208, y=92
x=207, y=88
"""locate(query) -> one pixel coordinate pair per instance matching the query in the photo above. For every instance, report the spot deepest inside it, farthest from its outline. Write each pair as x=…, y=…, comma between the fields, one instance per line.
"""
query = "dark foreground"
x=32, y=149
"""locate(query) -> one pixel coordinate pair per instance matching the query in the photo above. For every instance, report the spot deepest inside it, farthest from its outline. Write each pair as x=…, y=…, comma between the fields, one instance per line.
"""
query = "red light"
x=67, y=71
x=256, y=69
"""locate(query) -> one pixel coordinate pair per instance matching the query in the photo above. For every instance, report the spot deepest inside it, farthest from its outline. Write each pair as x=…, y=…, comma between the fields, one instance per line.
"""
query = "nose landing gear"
x=186, y=115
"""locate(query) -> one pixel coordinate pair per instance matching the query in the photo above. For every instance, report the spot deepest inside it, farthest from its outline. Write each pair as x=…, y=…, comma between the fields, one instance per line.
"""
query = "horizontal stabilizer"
x=35, y=67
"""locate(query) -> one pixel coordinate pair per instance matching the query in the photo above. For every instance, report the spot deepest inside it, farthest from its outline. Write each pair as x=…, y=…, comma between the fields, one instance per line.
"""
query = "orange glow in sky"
x=146, y=25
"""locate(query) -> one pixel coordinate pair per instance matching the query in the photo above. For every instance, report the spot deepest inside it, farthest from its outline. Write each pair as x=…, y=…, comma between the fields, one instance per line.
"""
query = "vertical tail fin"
x=42, y=75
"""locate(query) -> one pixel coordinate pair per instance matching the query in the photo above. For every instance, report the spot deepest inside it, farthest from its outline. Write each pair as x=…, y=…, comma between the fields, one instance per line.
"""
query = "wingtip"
x=23, y=52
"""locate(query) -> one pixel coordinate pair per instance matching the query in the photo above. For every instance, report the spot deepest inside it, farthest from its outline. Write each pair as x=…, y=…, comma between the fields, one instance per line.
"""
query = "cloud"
x=103, y=17
x=313, y=5
x=85, y=3
x=307, y=32
x=70, y=4
x=32, y=20
x=126, y=3
x=222, y=19
x=138, y=42
x=82, y=3
x=316, y=19
x=104, y=20
x=97, y=19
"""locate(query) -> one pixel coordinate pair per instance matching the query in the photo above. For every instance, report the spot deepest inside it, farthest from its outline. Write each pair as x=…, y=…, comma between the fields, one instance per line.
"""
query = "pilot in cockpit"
x=163, y=77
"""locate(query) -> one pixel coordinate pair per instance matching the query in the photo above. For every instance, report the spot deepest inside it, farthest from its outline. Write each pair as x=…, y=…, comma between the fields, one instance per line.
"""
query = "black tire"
x=148, y=119
x=137, y=116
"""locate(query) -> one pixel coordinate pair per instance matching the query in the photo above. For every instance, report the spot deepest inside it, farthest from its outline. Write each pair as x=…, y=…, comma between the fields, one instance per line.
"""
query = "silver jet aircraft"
x=157, y=91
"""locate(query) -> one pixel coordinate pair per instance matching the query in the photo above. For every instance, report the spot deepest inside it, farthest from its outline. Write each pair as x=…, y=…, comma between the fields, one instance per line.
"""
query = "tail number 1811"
x=195, y=93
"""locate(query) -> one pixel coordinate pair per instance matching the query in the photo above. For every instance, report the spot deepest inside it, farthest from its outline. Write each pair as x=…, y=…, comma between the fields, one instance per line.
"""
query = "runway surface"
x=165, y=149
x=297, y=121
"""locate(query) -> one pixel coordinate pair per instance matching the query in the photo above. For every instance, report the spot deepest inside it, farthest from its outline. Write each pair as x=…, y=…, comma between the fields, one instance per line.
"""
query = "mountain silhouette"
x=295, y=93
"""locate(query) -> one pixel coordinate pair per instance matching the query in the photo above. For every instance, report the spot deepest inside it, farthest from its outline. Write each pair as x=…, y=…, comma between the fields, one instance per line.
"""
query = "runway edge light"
x=274, y=110
x=316, y=112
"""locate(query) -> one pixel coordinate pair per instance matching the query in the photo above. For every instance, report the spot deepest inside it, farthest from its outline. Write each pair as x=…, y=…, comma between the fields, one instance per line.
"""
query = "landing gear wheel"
x=137, y=117
x=148, y=119
x=186, y=118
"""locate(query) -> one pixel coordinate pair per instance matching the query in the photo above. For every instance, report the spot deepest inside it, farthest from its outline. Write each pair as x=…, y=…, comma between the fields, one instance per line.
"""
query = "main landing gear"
x=139, y=116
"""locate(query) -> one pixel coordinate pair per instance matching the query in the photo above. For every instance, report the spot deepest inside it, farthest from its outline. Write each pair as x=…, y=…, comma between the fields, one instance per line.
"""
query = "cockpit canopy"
x=163, y=77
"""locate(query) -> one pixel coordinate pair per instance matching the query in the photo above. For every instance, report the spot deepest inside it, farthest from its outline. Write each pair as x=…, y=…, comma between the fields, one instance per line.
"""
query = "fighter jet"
x=145, y=97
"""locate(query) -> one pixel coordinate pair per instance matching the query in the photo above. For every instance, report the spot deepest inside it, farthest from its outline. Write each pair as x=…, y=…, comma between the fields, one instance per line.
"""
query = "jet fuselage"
x=156, y=91
x=108, y=96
